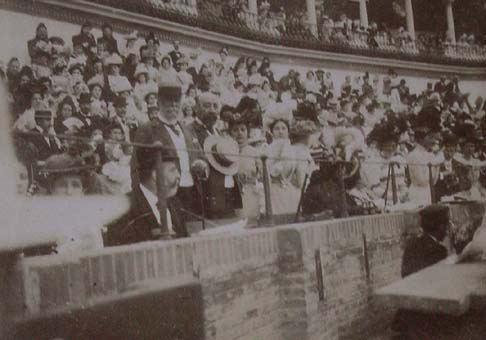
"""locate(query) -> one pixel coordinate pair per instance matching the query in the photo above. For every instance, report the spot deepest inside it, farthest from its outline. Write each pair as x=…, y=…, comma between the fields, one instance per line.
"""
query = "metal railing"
x=296, y=32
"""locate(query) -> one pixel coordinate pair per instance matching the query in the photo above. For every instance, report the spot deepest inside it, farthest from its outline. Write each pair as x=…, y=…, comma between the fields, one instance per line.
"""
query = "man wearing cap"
x=85, y=38
x=42, y=136
x=121, y=118
x=157, y=181
x=84, y=113
x=421, y=252
x=168, y=131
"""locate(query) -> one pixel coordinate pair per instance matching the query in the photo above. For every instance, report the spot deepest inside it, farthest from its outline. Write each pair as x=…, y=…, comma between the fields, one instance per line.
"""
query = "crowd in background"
x=366, y=146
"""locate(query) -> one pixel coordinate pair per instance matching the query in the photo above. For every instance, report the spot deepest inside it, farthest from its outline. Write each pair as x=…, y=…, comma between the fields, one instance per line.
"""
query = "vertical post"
x=312, y=16
x=363, y=13
x=431, y=184
x=193, y=3
x=266, y=189
x=342, y=187
x=163, y=231
x=451, y=30
x=410, y=19
x=394, y=183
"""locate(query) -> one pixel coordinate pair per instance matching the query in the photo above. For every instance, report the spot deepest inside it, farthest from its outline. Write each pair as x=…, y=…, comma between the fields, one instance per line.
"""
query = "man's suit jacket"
x=421, y=252
x=156, y=131
x=216, y=200
x=137, y=224
x=44, y=150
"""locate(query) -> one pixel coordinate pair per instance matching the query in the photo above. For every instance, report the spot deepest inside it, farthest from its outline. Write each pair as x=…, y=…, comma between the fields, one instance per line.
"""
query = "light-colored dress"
x=288, y=165
x=249, y=177
x=418, y=160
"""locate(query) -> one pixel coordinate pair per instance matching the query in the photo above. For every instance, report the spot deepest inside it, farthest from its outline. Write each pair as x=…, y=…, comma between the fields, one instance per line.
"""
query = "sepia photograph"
x=243, y=169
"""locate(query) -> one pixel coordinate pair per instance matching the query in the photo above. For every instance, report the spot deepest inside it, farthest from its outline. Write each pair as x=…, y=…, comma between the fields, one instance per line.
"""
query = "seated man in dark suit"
x=42, y=136
x=154, y=195
x=421, y=252
x=426, y=250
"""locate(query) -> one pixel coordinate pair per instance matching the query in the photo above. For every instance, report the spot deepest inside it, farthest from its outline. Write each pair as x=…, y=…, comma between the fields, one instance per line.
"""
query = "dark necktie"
x=173, y=127
x=52, y=143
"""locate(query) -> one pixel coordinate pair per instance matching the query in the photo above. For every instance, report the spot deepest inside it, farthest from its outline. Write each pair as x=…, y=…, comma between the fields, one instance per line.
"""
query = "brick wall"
x=260, y=284
x=303, y=281
x=298, y=282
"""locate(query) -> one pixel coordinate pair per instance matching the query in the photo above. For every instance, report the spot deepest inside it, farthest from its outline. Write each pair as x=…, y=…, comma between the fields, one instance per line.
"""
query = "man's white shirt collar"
x=152, y=201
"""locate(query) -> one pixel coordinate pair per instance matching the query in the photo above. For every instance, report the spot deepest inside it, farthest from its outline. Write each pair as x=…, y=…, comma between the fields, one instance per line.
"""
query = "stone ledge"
x=77, y=11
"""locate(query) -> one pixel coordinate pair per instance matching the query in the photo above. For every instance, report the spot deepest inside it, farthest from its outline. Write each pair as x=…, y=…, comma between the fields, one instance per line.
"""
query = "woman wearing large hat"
x=69, y=176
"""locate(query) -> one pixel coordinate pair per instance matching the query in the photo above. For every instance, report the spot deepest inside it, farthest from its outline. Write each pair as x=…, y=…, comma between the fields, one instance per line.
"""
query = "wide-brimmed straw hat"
x=223, y=154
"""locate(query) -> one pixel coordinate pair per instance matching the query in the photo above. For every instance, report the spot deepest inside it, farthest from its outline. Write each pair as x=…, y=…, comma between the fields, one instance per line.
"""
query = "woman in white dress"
x=288, y=163
x=249, y=170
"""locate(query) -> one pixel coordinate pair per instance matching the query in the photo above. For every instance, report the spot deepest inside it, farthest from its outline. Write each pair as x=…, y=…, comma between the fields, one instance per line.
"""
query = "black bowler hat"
x=170, y=92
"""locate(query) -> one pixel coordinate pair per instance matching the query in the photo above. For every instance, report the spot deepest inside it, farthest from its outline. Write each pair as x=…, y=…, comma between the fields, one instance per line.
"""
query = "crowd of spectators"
x=366, y=146
x=292, y=28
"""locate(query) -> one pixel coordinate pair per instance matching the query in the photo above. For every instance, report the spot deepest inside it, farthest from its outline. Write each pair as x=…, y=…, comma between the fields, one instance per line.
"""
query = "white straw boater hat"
x=223, y=154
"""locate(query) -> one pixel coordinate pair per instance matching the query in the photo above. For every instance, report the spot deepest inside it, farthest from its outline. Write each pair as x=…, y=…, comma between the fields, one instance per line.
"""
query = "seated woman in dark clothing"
x=324, y=195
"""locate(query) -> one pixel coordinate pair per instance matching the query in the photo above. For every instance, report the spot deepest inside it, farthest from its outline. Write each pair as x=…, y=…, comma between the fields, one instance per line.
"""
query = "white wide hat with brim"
x=223, y=154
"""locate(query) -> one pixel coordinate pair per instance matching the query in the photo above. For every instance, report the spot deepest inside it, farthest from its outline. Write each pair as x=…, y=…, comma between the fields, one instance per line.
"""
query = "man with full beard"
x=166, y=129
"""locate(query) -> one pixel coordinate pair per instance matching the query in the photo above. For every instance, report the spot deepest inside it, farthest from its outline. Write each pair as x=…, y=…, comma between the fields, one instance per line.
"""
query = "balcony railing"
x=294, y=32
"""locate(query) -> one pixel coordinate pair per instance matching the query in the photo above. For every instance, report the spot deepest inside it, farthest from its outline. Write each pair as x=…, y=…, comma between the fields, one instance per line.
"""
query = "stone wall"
x=305, y=281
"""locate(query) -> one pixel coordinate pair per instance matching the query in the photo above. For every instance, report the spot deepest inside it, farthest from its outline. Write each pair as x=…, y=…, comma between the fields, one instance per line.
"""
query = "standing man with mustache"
x=220, y=192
